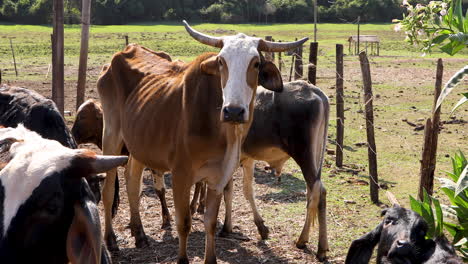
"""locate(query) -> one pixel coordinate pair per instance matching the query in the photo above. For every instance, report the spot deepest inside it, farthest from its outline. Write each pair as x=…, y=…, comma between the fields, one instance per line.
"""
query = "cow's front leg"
x=227, y=227
x=213, y=200
x=133, y=175
x=181, y=190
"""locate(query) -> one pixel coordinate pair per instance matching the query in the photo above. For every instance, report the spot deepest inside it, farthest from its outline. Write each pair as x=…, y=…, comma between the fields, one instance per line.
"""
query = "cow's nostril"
x=401, y=243
x=225, y=110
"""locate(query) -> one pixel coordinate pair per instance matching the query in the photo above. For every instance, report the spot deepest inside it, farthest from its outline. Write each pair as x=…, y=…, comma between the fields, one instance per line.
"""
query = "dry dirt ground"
x=275, y=200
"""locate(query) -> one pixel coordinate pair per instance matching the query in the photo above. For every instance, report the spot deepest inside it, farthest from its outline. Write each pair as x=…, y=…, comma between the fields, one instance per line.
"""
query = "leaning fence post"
x=126, y=40
x=312, y=74
x=431, y=135
x=58, y=56
x=339, y=106
x=83, y=63
x=14, y=59
x=298, y=70
x=280, y=63
x=371, y=149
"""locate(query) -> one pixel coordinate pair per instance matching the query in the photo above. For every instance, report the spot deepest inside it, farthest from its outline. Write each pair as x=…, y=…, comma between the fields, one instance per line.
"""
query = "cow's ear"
x=210, y=66
x=270, y=77
x=361, y=249
x=84, y=235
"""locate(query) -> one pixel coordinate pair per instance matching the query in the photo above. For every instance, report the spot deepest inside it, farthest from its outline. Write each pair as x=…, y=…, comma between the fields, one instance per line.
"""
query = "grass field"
x=403, y=84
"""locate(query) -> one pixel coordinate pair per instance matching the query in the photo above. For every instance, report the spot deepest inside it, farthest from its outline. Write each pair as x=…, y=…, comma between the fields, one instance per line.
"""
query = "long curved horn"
x=391, y=197
x=205, y=39
x=104, y=163
x=264, y=45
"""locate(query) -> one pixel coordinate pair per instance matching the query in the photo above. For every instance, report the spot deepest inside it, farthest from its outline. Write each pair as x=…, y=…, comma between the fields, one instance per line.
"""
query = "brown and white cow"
x=190, y=119
x=47, y=211
x=292, y=123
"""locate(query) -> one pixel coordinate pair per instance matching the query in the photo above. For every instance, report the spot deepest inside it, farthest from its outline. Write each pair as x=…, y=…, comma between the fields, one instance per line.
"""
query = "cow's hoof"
x=141, y=242
x=111, y=243
x=322, y=255
x=225, y=231
x=263, y=231
x=183, y=261
x=301, y=244
x=210, y=260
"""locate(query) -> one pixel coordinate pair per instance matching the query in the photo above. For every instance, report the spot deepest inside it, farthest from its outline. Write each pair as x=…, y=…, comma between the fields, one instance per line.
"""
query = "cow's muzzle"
x=233, y=114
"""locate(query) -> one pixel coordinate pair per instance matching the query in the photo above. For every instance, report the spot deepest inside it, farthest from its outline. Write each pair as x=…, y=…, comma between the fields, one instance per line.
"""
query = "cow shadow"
x=228, y=249
x=288, y=190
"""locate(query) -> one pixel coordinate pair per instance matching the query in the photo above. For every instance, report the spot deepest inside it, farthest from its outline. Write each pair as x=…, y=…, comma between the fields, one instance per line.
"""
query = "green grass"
x=32, y=42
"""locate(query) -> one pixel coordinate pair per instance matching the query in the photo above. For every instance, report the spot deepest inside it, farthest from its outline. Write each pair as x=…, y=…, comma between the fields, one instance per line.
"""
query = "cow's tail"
x=319, y=137
x=116, y=202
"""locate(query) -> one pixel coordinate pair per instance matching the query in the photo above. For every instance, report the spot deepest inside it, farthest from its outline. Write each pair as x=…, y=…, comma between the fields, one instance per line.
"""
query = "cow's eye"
x=389, y=221
x=256, y=65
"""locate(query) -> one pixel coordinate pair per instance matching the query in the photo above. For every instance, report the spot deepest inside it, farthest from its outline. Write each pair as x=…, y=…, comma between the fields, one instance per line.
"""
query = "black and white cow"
x=401, y=237
x=47, y=211
x=39, y=114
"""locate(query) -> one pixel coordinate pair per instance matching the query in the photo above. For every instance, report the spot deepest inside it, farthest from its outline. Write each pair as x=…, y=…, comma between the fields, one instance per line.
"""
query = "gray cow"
x=288, y=124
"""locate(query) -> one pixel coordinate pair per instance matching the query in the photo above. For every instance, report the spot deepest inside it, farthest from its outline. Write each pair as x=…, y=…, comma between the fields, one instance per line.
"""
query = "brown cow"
x=87, y=128
x=190, y=119
x=289, y=124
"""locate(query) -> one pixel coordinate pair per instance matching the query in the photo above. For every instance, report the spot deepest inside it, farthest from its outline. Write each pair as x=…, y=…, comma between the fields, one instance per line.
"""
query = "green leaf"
x=439, y=39
x=462, y=183
x=462, y=101
x=416, y=205
x=452, y=48
x=439, y=216
x=428, y=215
x=459, y=37
x=454, y=81
x=459, y=21
x=461, y=242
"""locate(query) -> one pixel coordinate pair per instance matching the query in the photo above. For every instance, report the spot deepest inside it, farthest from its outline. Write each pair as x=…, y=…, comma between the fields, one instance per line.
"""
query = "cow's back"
x=20, y=105
x=281, y=118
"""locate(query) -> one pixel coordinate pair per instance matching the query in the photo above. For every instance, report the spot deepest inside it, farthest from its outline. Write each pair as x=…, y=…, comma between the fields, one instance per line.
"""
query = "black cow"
x=401, y=239
x=47, y=211
x=37, y=113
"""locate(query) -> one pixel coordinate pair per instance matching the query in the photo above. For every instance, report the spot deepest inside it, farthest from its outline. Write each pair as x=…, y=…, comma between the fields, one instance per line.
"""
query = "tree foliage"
x=225, y=11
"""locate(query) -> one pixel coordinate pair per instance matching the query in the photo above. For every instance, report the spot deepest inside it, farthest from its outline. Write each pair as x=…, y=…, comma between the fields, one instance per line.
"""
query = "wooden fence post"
x=431, y=136
x=298, y=69
x=0, y=76
x=14, y=59
x=126, y=40
x=312, y=74
x=371, y=149
x=58, y=54
x=293, y=59
x=280, y=63
x=269, y=55
x=85, y=20
x=339, y=106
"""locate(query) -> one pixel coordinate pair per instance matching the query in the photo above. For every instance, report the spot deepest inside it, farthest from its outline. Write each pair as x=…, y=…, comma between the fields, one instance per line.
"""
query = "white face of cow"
x=239, y=62
x=241, y=69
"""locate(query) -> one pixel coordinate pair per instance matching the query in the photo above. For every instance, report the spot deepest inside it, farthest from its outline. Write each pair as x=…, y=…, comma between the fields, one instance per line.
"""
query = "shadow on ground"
x=228, y=250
